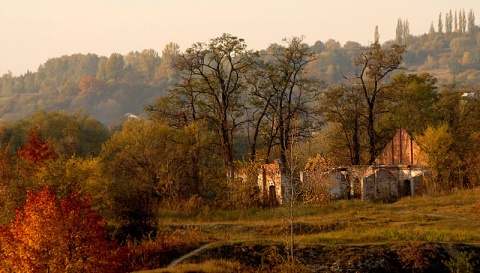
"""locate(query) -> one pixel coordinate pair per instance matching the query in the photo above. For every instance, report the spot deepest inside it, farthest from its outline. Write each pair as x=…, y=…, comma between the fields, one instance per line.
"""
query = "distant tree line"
x=110, y=87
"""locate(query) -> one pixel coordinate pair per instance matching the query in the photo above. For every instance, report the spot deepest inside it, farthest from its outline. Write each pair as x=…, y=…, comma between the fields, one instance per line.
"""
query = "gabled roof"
x=401, y=150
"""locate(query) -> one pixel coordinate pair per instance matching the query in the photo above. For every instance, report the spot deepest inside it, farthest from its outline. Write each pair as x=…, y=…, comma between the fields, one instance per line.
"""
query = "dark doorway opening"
x=272, y=195
x=407, y=189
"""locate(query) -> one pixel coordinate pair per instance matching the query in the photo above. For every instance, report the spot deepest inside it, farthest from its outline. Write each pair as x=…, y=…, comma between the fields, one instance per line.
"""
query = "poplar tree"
x=376, y=37
x=456, y=22
x=463, y=21
x=448, y=22
x=406, y=29
x=432, y=29
x=440, y=23
x=399, y=31
x=471, y=22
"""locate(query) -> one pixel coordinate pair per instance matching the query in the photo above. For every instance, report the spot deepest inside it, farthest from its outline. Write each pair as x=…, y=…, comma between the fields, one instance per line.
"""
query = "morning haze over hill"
x=108, y=87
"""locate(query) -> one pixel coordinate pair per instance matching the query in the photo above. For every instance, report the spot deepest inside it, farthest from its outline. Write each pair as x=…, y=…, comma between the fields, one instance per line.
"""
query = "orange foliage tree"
x=316, y=187
x=89, y=84
x=36, y=150
x=57, y=235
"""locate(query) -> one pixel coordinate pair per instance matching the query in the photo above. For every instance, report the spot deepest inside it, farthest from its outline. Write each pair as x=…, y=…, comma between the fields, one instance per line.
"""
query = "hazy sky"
x=32, y=31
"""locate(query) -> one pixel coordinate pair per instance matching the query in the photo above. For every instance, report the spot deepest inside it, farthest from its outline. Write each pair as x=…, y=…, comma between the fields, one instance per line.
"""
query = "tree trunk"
x=371, y=133
x=355, y=145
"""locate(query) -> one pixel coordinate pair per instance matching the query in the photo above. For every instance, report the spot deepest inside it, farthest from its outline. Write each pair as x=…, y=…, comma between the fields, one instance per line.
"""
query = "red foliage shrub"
x=51, y=235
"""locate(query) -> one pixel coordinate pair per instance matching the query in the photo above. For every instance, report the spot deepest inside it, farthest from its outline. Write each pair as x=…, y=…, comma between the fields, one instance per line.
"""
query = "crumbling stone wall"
x=356, y=175
x=273, y=184
x=338, y=182
x=379, y=184
x=389, y=182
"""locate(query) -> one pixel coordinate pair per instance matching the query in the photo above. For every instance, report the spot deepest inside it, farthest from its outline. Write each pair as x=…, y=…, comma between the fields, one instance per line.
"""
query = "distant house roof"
x=401, y=150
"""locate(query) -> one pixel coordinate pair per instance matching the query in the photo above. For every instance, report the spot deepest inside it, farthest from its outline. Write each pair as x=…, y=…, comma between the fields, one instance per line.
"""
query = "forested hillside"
x=108, y=87
x=105, y=87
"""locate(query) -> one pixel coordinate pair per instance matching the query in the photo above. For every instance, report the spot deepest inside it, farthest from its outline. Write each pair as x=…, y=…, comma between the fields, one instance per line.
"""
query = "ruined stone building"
x=273, y=184
x=398, y=171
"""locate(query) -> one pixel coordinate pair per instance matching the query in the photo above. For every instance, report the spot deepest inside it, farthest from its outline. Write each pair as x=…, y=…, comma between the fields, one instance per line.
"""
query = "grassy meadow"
x=448, y=218
x=452, y=218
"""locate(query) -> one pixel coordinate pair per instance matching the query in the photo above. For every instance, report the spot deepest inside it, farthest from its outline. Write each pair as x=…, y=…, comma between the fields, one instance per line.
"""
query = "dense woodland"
x=146, y=131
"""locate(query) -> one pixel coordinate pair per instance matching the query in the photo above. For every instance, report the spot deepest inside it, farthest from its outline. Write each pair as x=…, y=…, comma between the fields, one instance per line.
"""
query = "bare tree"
x=342, y=104
x=211, y=87
x=287, y=92
x=373, y=67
